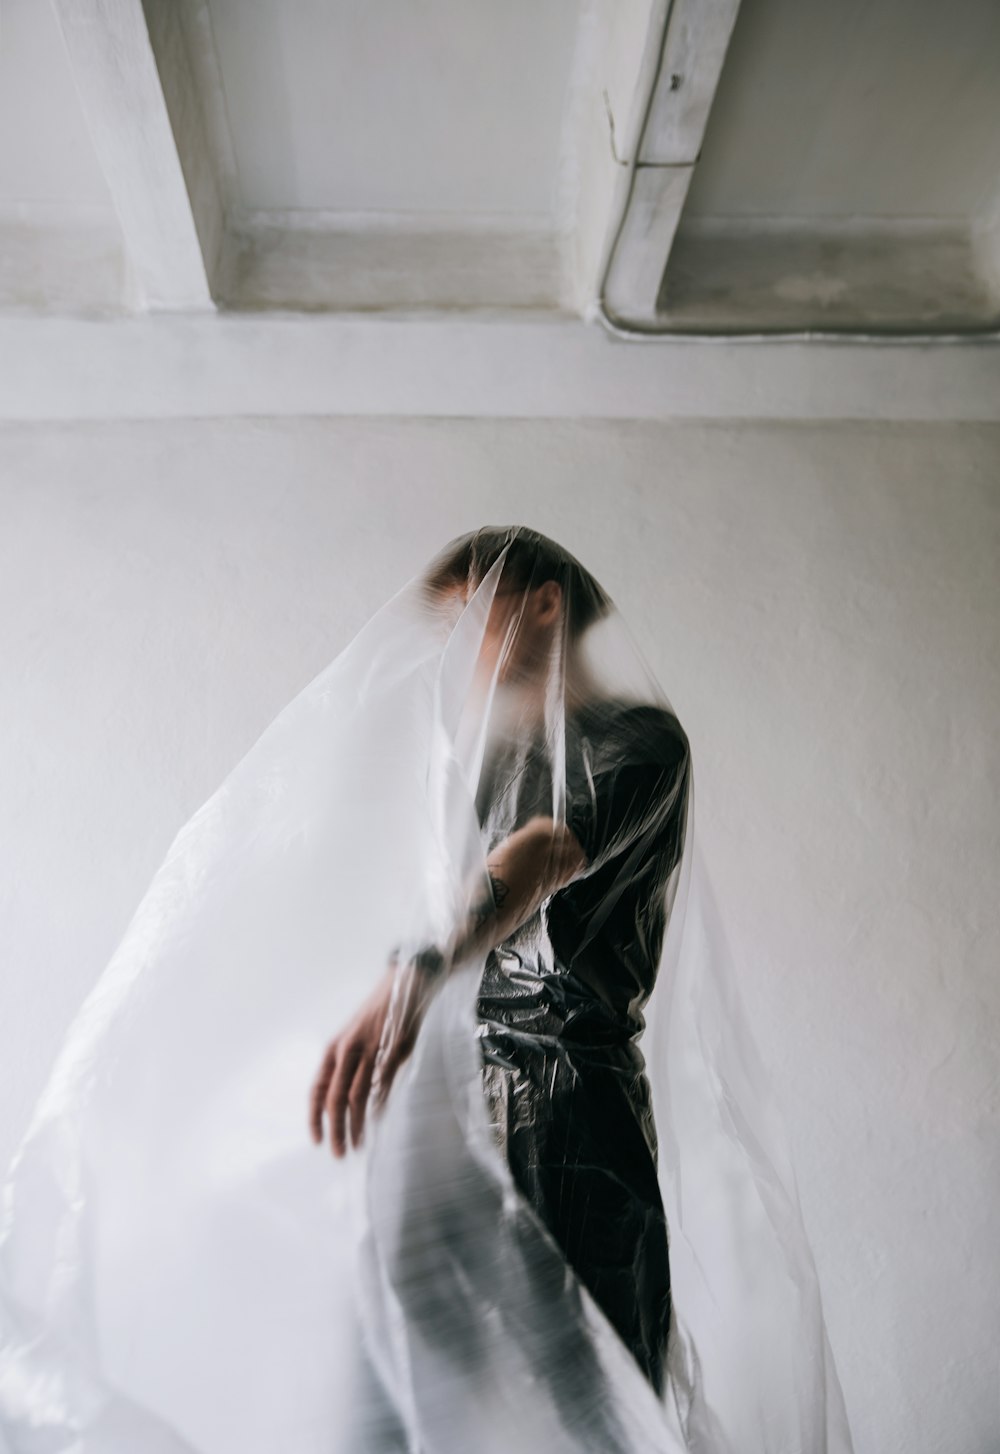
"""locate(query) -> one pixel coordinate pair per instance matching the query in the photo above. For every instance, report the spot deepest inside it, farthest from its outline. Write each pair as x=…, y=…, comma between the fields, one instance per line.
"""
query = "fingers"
x=358, y=1099
x=336, y=1097
x=361, y=1063
x=342, y=1086
x=400, y=1034
x=392, y=1058
x=317, y=1095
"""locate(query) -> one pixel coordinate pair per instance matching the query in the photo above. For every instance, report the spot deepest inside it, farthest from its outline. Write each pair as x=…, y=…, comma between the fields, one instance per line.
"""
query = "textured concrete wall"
x=822, y=604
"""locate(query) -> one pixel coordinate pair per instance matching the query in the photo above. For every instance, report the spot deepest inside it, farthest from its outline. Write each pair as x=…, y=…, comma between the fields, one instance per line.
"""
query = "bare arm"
x=524, y=871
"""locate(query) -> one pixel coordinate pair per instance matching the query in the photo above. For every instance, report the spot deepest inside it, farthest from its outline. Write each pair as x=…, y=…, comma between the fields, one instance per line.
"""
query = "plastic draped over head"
x=571, y=1218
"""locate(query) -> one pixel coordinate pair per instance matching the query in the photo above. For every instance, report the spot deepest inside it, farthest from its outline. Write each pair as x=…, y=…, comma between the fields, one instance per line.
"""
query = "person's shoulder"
x=638, y=732
x=654, y=735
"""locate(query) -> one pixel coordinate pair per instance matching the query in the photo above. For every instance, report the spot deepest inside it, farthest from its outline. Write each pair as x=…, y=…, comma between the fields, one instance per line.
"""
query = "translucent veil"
x=182, y=1271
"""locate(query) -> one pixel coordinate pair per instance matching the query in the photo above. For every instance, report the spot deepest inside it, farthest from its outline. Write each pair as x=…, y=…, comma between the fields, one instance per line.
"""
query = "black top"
x=560, y=1007
x=627, y=773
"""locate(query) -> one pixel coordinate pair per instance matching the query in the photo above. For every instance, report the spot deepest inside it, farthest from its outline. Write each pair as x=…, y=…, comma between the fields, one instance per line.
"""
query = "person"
x=568, y=1219
x=571, y=925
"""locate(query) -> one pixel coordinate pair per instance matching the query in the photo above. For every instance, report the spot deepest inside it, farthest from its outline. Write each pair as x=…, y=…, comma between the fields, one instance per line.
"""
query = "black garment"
x=560, y=1007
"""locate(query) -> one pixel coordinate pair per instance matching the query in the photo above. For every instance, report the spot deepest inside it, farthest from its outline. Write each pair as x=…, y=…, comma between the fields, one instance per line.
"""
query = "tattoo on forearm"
x=500, y=890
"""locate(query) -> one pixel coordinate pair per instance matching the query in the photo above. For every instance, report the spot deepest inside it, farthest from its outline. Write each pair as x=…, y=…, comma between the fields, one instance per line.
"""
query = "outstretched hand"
x=360, y=1063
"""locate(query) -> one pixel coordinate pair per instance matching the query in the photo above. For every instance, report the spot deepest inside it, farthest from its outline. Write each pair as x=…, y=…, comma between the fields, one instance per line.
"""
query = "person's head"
x=544, y=598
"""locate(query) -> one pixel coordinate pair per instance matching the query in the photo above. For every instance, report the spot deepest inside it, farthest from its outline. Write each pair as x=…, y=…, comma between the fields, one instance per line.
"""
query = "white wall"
x=821, y=602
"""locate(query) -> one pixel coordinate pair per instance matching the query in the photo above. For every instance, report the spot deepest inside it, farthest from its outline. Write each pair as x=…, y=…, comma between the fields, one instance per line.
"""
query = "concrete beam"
x=143, y=116
x=191, y=366
x=691, y=52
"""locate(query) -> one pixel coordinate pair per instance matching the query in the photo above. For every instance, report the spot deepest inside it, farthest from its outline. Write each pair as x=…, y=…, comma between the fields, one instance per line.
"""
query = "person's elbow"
x=554, y=852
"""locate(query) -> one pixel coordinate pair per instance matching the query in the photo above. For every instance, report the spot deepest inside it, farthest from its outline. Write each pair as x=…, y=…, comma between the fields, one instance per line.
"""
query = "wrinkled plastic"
x=571, y=1220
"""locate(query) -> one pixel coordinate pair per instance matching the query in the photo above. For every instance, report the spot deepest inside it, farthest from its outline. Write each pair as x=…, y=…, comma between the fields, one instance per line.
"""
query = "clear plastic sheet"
x=453, y=888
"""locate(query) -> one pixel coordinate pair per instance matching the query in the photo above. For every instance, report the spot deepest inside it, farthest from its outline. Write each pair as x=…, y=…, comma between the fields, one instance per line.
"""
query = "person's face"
x=519, y=633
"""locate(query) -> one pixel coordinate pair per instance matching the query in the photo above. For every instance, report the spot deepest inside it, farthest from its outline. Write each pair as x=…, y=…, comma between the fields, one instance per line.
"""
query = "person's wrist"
x=429, y=963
